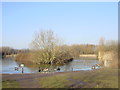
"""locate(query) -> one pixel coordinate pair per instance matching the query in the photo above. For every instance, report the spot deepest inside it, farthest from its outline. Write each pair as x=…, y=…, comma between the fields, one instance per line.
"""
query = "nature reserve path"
x=27, y=80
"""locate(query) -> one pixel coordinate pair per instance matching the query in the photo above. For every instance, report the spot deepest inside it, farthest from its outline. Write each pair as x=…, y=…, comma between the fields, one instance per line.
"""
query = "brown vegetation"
x=108, y=53
x=46, y=48
x=25, y=57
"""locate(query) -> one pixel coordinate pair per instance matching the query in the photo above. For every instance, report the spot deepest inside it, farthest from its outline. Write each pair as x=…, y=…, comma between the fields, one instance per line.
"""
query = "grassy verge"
x=57, y=81
x=10, y=84
x=103, y=78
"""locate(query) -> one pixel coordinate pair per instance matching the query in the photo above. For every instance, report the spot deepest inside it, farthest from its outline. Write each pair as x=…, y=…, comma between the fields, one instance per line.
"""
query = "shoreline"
x=50, y=80
x=50, y=72
x=42, y=72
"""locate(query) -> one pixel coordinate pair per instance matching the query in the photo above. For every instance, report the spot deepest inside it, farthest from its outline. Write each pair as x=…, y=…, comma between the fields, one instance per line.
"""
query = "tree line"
x=10, y=51
x=47, y=48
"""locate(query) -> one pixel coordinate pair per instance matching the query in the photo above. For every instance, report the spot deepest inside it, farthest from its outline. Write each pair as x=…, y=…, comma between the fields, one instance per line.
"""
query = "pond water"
x=9, y=64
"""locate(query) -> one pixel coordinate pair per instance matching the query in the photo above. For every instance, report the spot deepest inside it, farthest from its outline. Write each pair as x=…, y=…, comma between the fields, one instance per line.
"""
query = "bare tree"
x=101, y=44
x=45, y=43
x=44, y=40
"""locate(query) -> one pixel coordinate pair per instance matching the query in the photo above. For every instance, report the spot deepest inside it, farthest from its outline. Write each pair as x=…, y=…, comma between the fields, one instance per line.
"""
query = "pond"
x=9, y=64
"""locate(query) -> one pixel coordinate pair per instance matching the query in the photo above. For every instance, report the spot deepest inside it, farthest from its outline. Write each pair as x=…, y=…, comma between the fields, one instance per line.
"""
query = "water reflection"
x=9, y=64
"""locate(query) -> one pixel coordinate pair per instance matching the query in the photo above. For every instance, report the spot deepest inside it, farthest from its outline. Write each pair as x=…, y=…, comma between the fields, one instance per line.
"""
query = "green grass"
x=10, y=84
x=57, y=81
x=103, y=78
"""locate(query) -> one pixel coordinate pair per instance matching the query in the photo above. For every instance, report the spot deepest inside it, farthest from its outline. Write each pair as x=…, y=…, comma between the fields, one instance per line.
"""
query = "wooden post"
x=22, y=69
x=72, y=69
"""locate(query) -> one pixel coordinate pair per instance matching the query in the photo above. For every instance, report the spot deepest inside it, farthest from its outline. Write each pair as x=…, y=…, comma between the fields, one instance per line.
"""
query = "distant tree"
x=107, y=45
x=7, y=50
x=101, y=44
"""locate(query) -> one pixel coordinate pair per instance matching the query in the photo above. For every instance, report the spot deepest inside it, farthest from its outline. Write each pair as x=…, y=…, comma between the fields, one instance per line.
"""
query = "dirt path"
x=80, y=84
x=27, y=80
x=32, y=80
x=75, y=83
x=77, y=79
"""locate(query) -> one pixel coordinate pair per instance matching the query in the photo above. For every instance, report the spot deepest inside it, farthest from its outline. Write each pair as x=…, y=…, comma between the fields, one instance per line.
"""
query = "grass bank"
x=57, y=81
x=102, y=78
x=10, y=84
